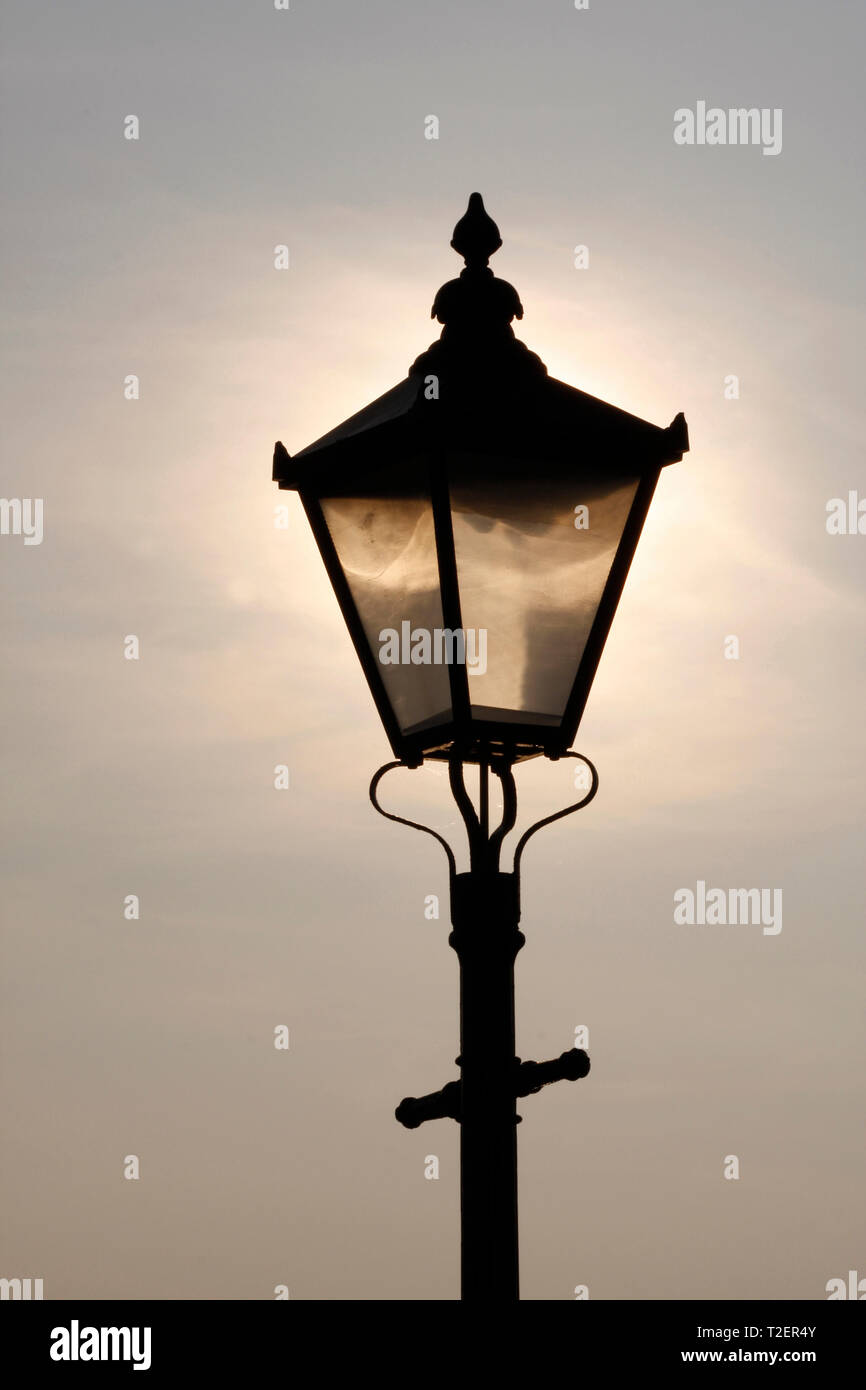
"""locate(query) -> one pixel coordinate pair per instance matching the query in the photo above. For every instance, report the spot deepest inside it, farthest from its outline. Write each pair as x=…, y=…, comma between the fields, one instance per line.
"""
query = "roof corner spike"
x=282, y=458
x=678, y=434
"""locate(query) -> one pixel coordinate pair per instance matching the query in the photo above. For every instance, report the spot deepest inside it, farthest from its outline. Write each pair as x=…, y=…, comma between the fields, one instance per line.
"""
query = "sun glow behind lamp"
x=477, y=523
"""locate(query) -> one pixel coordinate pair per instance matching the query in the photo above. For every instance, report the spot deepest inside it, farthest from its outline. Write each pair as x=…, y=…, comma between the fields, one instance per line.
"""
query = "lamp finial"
x=476, y=235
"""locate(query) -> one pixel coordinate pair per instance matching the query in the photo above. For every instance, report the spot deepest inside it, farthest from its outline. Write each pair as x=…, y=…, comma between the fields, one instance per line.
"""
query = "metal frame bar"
x=450, y=590
x=611, y=595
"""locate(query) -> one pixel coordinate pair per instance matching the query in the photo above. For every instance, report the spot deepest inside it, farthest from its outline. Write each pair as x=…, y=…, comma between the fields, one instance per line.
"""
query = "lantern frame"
x=479, y=391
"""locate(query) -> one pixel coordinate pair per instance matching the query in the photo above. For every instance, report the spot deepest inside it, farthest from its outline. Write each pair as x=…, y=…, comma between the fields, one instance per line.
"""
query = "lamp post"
x=477, y=523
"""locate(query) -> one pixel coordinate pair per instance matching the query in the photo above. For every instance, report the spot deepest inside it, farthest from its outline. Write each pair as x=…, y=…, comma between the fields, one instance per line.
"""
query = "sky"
x=721, y=281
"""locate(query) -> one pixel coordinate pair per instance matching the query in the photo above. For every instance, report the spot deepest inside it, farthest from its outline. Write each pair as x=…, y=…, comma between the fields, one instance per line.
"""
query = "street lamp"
x=477, y=523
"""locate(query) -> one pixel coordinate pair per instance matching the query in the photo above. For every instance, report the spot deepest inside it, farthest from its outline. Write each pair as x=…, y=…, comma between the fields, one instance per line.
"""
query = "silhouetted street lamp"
x=477, y=523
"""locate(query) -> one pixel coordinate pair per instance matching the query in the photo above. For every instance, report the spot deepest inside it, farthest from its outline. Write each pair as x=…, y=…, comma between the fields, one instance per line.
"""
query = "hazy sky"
x=155, y=777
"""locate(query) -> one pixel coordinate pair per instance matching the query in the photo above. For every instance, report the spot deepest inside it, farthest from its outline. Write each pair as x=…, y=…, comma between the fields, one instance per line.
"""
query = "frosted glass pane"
x=532, y=580
x=387, y=549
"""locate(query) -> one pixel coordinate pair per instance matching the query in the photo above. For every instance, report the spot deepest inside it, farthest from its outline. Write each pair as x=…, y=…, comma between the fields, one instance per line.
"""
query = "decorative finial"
x=476, y=235
x=476, y=311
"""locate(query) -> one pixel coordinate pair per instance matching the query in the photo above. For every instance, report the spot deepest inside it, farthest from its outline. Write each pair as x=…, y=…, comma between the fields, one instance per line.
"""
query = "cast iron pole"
x=485, y=916
x=485, y=912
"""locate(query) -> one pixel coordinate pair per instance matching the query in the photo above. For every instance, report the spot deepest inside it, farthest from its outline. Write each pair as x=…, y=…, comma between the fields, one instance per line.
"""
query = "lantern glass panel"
x=386, y=546
x=530, y=578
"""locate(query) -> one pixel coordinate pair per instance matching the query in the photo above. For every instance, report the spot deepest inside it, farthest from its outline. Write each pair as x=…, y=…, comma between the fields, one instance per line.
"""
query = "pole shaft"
x=485, y=913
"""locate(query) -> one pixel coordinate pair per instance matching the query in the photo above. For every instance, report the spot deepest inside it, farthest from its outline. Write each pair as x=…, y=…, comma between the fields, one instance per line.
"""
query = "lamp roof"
x=479, y=389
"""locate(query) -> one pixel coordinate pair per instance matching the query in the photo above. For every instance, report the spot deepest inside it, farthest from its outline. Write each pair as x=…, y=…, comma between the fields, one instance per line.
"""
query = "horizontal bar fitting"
x=529, y=1078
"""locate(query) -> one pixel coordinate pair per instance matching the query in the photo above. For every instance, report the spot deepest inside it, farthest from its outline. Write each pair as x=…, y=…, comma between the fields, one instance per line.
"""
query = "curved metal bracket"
x=509, y=809
x=484, y=848
x=557, y=815
x=401, y=820
x=470, y=816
